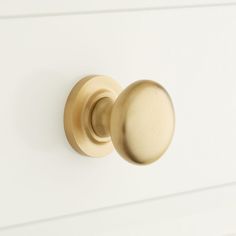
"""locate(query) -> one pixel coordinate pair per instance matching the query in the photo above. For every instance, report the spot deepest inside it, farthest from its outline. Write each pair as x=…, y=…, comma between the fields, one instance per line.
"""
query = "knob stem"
x=101, y=115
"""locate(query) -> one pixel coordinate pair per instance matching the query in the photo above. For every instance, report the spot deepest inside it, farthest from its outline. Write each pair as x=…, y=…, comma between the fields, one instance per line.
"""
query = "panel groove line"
x=29, y=9
x=150, y=200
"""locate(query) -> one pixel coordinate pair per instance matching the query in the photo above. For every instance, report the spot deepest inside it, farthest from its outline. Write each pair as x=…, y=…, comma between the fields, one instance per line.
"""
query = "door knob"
x=138, y=121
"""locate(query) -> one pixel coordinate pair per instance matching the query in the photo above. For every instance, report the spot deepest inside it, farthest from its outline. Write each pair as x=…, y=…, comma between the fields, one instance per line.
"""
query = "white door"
x=47, y=188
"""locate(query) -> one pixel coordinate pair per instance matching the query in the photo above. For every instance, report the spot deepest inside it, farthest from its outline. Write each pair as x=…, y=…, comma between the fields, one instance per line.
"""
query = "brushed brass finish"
x=142, y=122
x=139, y=121
x=78, y=115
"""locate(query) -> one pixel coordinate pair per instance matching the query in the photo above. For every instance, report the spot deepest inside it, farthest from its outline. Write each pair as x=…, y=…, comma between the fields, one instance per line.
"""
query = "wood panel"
x=192, y=52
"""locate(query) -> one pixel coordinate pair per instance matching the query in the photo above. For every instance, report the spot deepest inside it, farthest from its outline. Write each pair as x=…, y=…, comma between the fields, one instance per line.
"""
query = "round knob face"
x=142, y=122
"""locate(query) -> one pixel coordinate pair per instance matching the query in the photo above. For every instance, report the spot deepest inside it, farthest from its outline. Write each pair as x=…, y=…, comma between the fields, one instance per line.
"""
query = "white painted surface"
x=192, y=52
x=31, y=7
x=207, y=213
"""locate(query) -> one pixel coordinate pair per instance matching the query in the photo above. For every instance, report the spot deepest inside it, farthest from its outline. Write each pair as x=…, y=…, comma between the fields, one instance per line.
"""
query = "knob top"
x=142, y=122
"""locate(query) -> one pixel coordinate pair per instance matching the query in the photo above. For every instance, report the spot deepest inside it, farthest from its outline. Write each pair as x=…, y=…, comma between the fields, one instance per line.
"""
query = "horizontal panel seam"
x=113, y=207
x=141, y=9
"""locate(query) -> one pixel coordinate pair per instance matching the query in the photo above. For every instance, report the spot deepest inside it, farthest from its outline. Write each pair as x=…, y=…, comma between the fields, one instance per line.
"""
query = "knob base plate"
x=78, y=114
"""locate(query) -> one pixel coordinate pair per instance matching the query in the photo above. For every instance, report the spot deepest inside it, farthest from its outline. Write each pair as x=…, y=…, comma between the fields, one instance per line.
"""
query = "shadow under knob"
x=138, y=121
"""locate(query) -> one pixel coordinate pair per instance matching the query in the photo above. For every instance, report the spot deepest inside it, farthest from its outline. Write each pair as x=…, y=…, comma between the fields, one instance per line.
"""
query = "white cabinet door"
x=192, y=52
x=208, y=212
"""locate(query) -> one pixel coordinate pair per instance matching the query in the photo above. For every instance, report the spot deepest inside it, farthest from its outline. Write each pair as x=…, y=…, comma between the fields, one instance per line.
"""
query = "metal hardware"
x=139, y=121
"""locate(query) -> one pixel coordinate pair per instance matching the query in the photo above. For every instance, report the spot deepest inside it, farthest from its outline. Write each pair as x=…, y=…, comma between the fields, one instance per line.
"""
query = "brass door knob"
x=138, y=121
